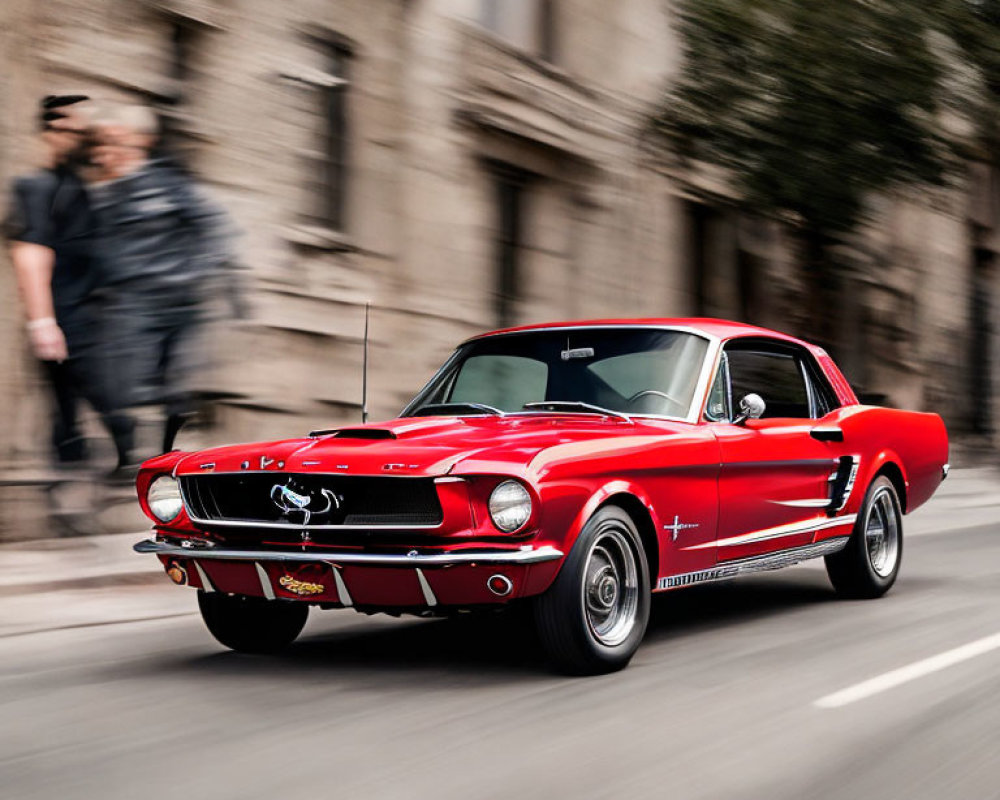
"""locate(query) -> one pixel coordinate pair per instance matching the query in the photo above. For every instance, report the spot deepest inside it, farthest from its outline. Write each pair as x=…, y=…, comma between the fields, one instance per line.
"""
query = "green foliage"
x=811, y=105
x=974, y=26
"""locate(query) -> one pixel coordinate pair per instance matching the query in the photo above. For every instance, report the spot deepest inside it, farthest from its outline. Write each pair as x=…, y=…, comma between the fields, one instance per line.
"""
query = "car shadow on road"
x=715, y=606
x=486, y=648
x=479, y=649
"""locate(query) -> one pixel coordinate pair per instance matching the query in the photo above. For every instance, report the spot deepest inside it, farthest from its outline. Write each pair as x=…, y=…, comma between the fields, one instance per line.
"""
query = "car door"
x=778, y=472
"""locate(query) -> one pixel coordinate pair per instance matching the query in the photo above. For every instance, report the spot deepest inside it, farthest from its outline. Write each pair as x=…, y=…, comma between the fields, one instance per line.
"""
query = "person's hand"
x=47, y=340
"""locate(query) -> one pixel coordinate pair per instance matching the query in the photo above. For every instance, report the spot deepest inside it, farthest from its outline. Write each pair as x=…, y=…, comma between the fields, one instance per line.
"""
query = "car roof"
x=719, y=328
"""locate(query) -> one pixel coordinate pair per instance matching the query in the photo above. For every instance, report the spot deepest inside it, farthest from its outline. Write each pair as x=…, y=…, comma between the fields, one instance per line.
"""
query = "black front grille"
x=276, y=497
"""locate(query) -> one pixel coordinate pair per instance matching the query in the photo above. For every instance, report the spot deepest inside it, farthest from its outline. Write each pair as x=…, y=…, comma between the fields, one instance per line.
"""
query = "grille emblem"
x=289, y=501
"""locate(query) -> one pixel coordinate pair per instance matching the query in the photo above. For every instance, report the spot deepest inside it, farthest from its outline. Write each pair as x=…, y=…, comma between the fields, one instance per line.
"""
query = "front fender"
x=599, y=498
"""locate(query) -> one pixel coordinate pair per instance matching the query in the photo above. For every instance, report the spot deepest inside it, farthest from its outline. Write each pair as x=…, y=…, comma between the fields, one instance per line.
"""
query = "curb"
x=145, y=578
x=84, y=562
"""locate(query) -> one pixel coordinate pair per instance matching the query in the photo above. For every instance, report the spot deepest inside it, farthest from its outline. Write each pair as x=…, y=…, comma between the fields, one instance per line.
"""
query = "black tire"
x=252, y=624
x=609, y=560
x=867, y=567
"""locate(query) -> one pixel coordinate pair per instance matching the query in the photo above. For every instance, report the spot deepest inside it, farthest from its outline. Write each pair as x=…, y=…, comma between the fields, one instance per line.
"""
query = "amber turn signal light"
x=177, y=573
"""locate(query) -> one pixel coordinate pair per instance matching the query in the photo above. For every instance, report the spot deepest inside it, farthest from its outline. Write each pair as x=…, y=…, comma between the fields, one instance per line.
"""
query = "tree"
x=810, y=107
x=974, y=26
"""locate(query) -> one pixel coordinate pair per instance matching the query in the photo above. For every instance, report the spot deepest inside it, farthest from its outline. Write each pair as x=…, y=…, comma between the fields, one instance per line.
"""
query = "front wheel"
x=593, y=617
x=869, y=564
x=252, y=624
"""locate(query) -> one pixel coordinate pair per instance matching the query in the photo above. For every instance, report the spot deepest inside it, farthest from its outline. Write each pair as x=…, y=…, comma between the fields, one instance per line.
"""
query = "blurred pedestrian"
x=163, y=243
x=51, y=229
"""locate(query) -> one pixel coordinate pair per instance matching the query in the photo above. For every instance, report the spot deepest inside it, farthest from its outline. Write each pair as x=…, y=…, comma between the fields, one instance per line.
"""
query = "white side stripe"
x=819, y=502
x=791, y=529
x=918, y=669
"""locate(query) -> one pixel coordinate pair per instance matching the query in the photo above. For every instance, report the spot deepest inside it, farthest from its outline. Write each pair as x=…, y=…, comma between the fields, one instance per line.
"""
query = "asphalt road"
x=737, y=692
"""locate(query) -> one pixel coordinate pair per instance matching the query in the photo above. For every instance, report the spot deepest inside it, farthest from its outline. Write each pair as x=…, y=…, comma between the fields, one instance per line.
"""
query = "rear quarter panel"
x=916, y=442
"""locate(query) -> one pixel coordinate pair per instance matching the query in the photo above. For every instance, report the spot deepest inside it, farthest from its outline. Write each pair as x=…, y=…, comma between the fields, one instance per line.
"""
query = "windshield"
x=631, y=371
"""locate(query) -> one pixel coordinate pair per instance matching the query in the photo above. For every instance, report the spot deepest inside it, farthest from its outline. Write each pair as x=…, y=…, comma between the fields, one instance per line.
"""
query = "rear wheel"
x=593, y=617
x=252, y=624
x=869, y=564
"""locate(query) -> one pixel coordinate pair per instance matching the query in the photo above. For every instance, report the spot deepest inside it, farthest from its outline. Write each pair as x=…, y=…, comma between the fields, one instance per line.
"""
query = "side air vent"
x=842, y=483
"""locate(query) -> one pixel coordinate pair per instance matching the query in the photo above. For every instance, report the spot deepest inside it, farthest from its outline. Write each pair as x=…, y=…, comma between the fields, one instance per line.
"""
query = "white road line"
x=918, y=669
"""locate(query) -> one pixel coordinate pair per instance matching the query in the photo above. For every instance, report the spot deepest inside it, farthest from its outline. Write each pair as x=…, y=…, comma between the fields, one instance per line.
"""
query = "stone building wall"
x=443, y=117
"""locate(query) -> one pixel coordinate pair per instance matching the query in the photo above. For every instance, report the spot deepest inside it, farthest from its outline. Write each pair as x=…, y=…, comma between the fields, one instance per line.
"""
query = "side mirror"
x=752, y=406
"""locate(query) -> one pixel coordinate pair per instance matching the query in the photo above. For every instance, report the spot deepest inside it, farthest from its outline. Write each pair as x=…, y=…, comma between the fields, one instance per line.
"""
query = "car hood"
x=436, y=446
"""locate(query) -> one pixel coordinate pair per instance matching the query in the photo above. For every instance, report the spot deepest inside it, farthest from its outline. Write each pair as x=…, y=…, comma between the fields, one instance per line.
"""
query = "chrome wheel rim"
x=611, y=588
x=882, y=533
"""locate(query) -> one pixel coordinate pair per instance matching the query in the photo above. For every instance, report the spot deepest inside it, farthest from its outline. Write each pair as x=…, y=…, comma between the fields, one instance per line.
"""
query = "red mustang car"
x=578, y=467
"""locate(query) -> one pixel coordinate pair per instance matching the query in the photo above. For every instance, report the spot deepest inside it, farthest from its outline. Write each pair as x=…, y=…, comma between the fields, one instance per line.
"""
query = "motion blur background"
x=823, y=167
x=469, y=164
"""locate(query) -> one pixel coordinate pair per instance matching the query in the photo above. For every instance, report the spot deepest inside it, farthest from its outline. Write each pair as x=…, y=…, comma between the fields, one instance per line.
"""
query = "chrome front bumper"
x=530, y=555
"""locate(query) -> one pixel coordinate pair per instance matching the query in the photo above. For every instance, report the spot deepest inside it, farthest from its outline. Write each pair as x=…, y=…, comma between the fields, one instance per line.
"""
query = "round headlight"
x=510, y=506
x=164, y=498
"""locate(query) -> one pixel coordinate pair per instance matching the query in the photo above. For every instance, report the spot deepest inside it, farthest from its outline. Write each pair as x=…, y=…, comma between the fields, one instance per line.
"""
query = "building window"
x=509, y=186
x=183, y=41
x=334, y=99
x=981, y=314
x=725, y=276
x=528, y=24
x=179, y=127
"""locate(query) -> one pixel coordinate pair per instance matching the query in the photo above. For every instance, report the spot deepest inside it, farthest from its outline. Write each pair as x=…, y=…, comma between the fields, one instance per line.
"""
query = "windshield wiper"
x=574, y=405
x=443, y=409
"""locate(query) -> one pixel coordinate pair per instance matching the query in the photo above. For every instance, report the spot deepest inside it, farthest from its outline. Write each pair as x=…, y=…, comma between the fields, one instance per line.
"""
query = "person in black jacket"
x=50, y=229
x=163, y=244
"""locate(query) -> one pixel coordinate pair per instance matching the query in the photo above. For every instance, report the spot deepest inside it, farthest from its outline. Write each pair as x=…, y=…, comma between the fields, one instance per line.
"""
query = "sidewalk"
x=74, y=563
x=967, y=498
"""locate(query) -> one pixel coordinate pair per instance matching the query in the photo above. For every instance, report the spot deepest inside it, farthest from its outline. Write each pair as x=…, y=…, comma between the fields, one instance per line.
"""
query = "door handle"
x=830, y=433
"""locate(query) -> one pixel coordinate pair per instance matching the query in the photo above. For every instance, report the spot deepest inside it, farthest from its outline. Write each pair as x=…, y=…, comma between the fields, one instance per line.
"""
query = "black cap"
x=60, y=100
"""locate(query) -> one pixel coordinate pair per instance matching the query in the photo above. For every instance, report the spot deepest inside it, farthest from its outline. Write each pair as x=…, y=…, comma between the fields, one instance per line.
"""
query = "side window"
x=776, y=376
x=820, y=403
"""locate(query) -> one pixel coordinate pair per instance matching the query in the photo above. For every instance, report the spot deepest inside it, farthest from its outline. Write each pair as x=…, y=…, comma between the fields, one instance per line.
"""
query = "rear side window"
x=776, y=376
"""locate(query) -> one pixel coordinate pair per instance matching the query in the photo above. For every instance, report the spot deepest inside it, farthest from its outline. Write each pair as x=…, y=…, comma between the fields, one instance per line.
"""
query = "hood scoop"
x=356, y=433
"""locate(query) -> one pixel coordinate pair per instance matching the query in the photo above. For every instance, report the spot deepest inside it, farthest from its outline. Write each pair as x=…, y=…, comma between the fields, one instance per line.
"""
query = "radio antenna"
x=364, y=371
